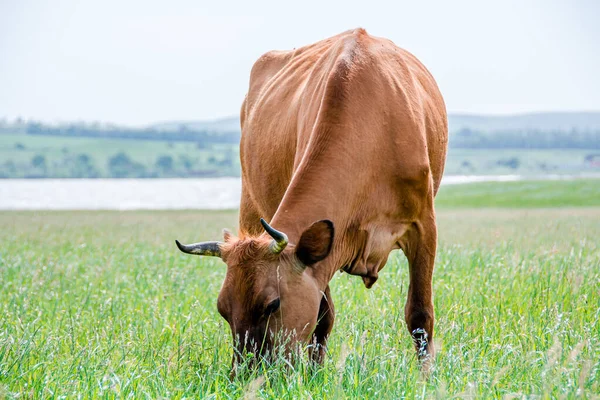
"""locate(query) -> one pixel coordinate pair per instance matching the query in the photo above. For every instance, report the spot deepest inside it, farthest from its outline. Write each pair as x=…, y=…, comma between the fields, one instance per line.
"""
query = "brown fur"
x=351, y=129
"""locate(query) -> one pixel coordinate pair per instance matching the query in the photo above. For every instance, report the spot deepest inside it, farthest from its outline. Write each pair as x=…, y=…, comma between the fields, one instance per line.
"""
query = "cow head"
x=268, y=296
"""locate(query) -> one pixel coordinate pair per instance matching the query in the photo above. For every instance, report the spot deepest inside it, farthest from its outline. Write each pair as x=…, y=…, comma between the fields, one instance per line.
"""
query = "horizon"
x=141, y=63
x=232, y=117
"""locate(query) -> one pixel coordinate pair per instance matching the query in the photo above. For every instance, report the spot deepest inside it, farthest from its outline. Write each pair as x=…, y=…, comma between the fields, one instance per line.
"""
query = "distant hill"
x=542, y=121
x=536, y=143
x=228, y=124
x=548, y=130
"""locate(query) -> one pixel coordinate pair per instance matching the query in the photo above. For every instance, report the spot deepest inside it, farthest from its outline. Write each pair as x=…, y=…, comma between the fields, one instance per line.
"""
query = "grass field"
x=101, y=304
x=521, y=194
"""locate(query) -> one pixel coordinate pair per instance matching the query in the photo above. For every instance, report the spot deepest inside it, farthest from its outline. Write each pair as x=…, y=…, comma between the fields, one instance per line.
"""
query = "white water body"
x=119, y=194
x=158, y=194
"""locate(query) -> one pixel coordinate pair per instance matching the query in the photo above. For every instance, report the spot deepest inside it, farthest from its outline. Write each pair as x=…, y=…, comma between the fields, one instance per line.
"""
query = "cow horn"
x=280, y=239
x=201, y=249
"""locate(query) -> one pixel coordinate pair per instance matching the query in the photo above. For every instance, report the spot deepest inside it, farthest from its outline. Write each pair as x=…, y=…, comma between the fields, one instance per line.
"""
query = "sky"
x=139, y=62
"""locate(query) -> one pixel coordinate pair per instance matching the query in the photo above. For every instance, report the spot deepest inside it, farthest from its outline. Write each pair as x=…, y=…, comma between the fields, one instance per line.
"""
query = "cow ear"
x=315, y=242
x=227, y=235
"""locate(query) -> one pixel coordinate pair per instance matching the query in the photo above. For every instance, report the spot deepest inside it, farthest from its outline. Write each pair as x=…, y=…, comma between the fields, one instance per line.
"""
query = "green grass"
x=101, y=304
x=563, y=193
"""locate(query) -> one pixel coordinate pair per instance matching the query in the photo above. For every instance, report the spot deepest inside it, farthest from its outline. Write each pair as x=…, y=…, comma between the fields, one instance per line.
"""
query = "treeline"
x=463, y=138
x=525, y=139
x=181, y=133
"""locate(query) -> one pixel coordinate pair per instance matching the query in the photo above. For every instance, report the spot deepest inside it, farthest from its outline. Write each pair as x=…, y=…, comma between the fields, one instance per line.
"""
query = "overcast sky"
x=138, y=62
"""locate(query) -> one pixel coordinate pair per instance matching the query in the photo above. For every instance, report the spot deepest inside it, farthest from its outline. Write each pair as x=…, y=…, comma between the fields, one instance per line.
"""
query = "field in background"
x=519, y=161
x=84, y=157
x=524, y=144
x=103, y=304
x=24, y=155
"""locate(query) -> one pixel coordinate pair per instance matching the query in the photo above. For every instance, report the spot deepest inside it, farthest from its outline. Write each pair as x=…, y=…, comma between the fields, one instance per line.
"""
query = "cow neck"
x=294, y=217
x=316, y=192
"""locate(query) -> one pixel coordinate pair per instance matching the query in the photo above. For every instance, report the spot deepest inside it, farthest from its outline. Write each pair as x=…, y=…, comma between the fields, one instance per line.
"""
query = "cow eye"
x=272, y=307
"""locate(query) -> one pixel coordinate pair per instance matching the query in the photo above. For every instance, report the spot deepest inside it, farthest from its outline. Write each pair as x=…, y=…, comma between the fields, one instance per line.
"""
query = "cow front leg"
x=323, y=329
x=420, y=248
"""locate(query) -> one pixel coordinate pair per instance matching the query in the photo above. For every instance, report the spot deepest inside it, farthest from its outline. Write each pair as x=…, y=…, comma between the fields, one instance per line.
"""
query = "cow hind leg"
x=419, y=246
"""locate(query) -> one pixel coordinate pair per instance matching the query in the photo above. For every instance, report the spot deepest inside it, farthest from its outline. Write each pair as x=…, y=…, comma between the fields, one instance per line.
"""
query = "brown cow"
x=348, y=135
